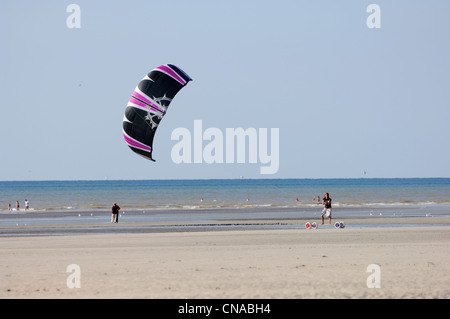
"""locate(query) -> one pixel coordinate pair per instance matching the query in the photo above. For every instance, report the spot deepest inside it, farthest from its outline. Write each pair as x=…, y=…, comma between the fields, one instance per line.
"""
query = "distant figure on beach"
x=9, y=206
x=17, y=205
x=27, y=205
x=115, y=213
x=326, y=212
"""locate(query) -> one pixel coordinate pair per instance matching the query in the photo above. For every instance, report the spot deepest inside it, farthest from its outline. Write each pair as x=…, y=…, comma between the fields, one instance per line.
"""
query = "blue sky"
x=345, y=98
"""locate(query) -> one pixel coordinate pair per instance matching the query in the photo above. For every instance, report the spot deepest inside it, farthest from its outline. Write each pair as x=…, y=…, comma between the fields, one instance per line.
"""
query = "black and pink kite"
x=148, y=104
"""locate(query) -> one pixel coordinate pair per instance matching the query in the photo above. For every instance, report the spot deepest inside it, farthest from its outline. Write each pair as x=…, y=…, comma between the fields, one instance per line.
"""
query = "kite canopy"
x=148, y=104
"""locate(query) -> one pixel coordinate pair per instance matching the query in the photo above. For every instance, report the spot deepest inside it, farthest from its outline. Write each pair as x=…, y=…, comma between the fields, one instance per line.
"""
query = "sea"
x=297, y=194
x=211, y=200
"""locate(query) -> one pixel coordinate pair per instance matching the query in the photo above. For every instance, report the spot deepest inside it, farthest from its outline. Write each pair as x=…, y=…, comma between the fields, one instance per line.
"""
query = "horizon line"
x=193, y=179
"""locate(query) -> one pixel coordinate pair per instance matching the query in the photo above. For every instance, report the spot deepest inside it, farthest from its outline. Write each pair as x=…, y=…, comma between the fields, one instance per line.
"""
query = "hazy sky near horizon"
x=346, y=98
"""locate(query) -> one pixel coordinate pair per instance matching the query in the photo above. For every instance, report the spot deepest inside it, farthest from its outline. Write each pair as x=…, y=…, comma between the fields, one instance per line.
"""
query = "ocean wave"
x=391, y=204
x=234, y=205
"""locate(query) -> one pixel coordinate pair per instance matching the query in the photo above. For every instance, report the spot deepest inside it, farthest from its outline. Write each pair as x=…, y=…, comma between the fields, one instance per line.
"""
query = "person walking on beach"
x=326, y=212
x=115, y=213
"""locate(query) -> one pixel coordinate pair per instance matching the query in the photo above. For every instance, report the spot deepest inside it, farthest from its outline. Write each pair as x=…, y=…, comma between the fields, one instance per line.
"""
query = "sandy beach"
x=413, y=262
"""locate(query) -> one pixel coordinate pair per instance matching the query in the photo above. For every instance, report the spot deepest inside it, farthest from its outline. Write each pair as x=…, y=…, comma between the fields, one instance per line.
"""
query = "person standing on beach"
x=115, y=213
x=17, y=205
x=326, y=212
x=27, y=205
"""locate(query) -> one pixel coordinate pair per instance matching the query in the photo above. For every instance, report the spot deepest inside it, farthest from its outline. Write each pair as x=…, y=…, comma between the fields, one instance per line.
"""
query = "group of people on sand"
x=27, y=205
x=326, y=211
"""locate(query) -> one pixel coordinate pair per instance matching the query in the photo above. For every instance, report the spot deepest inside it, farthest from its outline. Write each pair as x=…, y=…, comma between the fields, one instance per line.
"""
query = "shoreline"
x=70, y=225
x=355, y=211
x=82, y=222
